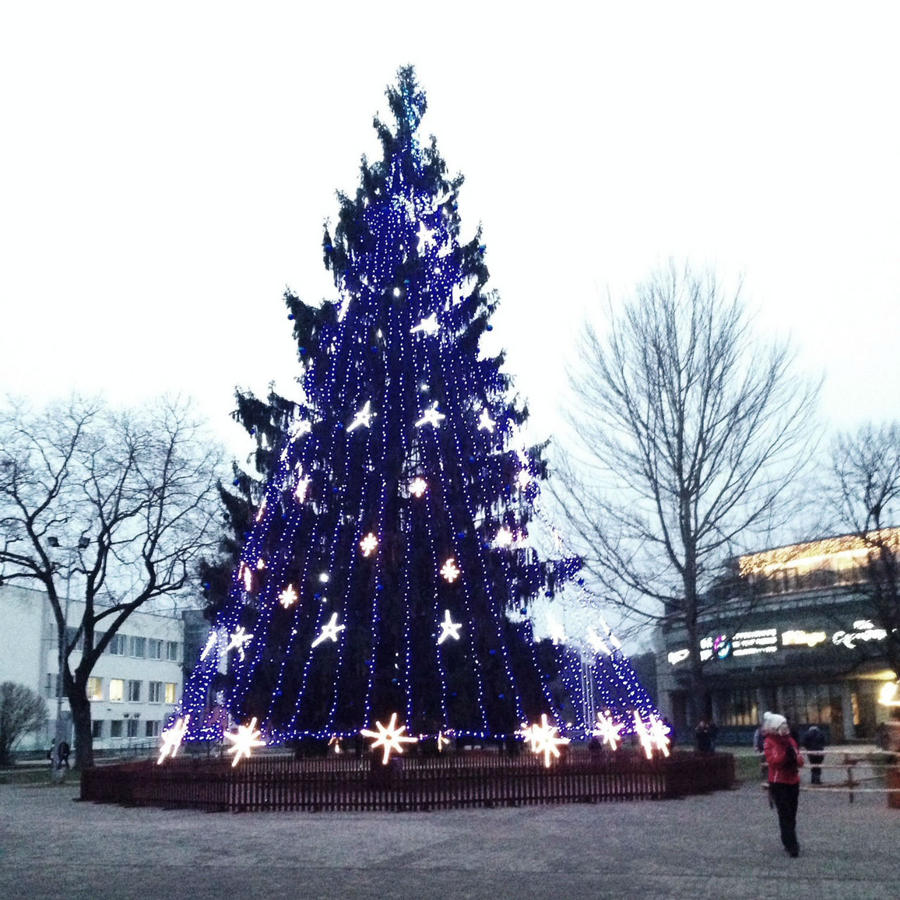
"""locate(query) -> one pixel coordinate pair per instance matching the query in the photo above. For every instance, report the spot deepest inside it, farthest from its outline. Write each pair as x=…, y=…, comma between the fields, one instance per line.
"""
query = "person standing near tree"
x=814, y=744
x=784, y=759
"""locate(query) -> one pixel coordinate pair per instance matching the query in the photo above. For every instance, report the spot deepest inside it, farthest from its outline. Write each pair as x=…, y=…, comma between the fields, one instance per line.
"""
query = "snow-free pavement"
x=719, y=845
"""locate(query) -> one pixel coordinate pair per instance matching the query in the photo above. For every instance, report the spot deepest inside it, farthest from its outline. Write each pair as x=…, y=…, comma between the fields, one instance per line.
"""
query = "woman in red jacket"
x=784, y=759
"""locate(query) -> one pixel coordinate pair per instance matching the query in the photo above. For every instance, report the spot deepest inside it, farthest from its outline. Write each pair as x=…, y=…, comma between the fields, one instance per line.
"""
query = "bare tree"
x=866, y=471
x=21, y=711
x=130, y=495
x=692, y=433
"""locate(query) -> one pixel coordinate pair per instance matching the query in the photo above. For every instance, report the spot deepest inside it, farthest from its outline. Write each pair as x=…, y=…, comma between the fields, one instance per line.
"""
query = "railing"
x=279, y=782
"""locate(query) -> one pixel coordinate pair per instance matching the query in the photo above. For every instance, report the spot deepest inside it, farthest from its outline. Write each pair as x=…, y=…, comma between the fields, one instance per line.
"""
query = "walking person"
x=814, y=744
x=784, y=759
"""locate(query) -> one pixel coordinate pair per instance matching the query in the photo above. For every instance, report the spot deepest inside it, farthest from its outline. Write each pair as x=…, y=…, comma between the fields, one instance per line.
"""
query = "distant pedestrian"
x=814, y=744
x=702, y=737
x=713, y=735
x=784, y=759
x=63, y=755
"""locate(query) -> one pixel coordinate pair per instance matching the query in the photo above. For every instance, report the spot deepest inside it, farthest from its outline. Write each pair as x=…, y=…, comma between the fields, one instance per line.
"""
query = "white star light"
x=368, y=544
x=644, y=735
x=608, y=730
x=449, y=570
x=238, y=641
x=390, y=737
x=485, y=422
x=449, y=628
x=302, y=488
x=288, y=597
x=441, y=741
x=329, y=631
x=418, y=486
x=172, y=738
x=659, y=734
x=246, y=738
x=428, y=325
x=543, y=739
x=426, y=238
x=431, y=417
x=363, y=417
x=211, y=642
x=504, y=537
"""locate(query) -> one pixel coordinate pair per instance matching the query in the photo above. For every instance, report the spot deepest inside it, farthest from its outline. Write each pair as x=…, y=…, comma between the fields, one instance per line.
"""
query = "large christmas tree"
x=387, y=569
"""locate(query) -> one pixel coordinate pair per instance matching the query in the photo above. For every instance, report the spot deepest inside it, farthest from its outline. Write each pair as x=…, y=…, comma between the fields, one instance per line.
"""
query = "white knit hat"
x=772, y=722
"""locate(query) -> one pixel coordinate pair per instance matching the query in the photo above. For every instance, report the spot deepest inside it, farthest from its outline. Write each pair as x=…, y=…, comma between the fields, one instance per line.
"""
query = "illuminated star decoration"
x=335, y=741
x=238, y=641
x=428, y=325
x=449, y=628
x=442, y=741
x=449, y=570
x=426, y=238
x=659, y=734
x=418, y=486
x=644, y=735
x=391, y=738
x=288, y=596
x=504, y=537
x=543, y=740
x=329, y=631
x=172, y=738
x=608, y=730
x=302, y=488
x=485, y=422
x=363, y=417
x=246, y=738
x=368, y=544
x=211, y=642
x=431, y=417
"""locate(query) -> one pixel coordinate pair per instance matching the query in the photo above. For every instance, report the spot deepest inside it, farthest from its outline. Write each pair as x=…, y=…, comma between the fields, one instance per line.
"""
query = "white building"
x=135, y=683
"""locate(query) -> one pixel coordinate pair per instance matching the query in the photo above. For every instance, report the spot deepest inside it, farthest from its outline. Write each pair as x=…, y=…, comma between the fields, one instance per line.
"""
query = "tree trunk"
x=81, y=719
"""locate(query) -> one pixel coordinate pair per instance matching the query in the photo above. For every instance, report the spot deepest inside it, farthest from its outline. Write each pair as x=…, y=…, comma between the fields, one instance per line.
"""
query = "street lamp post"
x=61, y=642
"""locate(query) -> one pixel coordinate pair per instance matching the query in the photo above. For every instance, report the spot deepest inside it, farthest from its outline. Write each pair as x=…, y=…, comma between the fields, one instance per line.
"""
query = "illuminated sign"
x=800, y=638
x=677, y=656
x=864, y=631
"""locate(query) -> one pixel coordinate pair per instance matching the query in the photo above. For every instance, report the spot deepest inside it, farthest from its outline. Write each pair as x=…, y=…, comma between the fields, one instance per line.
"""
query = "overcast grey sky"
x=165, y=171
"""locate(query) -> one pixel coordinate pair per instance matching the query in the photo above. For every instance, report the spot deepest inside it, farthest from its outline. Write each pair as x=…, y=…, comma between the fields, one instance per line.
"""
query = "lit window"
x=151, y=728
x=95, y=688
x=155, y=692
x=134, y=691
x=170, y=691
x=115, y=728
x=116, y=693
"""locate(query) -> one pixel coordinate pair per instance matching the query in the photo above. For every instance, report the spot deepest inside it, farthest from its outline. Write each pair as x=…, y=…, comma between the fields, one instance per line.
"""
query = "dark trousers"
x=815, y=762
x=785, y=797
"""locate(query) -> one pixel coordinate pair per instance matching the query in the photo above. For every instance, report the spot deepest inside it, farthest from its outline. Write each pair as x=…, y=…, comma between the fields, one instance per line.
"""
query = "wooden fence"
x=474, y=778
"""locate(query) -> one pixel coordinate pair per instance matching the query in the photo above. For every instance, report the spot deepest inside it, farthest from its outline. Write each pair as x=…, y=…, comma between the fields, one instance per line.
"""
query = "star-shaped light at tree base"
x=368, y=544
x=608, y=730
x=418, y=486
x=659, y=734
x=336, y=744
x=172, y=738
x=329, y=631
x=391, y=738
x=238, y=641
x=442, y=741
x=363, y=417
x=644, y=736
x=485, y=422
x=449, y=570
x=449, y=628
x=431, y=417
x=543, y=739
x=288, y=597
x=428, y=325
x=244, y=740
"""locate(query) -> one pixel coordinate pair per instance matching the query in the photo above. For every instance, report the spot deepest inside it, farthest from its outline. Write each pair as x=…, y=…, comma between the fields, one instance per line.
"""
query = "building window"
x=97, y=728
x=132, y=727
x=170, y=691
x=155, y=692
x=154, y=649
x=115, y=728
x=172, y=650
x=95, y=688
x=151, y=728
x=740, y=708
x=138, y=647
x=71, y=633
x=117, y=645
x=134, y=691
x=51, y=687
x=116, y=693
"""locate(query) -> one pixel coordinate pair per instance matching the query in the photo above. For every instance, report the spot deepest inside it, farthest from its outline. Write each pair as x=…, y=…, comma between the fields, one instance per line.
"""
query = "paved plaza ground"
x=719, y=845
